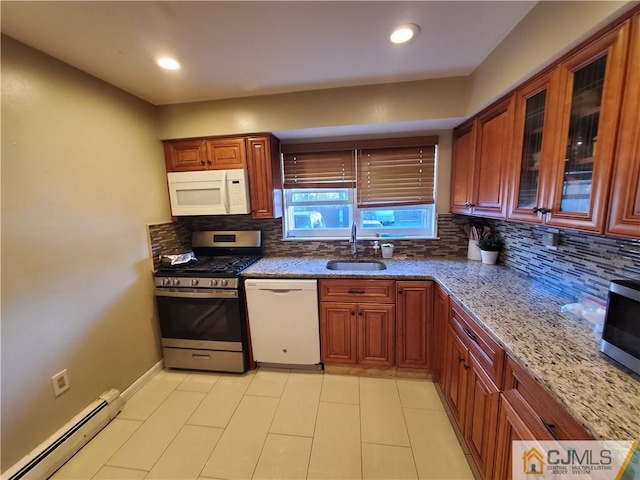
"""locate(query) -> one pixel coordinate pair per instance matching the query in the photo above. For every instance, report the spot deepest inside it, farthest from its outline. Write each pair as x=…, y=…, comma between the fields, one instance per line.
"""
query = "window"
x=387, y=189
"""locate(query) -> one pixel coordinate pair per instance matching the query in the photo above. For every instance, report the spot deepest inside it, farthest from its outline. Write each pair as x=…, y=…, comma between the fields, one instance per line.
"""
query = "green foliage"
x=491, y=243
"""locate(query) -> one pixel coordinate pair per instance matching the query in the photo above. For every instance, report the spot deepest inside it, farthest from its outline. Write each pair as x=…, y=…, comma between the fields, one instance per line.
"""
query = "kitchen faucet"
x=354, y=241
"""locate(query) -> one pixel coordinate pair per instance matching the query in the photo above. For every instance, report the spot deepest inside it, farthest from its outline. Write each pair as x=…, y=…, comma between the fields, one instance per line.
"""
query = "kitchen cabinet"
x=440, y=324
x=624, y=211
x=527, y=412
x=474, y=364
x=265, y=182
x=462, y=168
x=205, y=154
x=512, y=427
x=414, y=323
x=357, y=322
x=533, y=153
x=481, y=163
x=259, y=154
x=591, y=83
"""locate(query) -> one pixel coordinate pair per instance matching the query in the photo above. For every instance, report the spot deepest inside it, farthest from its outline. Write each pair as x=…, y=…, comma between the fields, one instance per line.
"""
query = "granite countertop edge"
x=524, y=317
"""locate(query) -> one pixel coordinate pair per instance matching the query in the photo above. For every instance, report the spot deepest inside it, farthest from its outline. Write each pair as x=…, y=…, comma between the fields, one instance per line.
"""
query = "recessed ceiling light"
x=168, y=63
x=404, y=33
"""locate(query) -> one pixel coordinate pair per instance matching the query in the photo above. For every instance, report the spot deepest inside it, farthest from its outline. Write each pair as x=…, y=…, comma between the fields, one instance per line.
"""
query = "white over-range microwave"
x=209, y=192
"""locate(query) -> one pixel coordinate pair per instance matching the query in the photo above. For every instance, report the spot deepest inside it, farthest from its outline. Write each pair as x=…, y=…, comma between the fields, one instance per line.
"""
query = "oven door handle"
x=207, y=294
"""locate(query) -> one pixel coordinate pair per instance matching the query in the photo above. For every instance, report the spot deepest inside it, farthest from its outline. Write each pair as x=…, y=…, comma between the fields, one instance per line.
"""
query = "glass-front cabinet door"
x=588, y=106
x=533, y=149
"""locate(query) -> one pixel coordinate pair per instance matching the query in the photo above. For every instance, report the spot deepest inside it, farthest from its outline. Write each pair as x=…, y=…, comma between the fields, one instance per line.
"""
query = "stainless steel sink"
x=357, y=265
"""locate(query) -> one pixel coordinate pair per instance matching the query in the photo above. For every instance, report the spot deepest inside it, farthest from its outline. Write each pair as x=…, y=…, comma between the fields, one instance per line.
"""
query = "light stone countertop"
x=524, y=317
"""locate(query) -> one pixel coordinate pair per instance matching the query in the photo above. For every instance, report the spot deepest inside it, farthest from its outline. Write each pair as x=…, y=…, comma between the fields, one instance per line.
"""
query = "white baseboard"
x=141, y=382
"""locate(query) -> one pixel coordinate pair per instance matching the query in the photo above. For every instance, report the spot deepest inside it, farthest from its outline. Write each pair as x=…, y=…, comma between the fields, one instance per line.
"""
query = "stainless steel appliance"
x=201, y=303
x=621, y=334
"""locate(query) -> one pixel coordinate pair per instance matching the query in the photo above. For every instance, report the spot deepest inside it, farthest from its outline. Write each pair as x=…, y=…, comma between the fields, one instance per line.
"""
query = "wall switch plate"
x=60, y=382
x=550, y=239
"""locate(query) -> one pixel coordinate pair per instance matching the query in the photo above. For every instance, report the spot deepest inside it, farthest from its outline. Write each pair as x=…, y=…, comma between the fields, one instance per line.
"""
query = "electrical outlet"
x=60, y=382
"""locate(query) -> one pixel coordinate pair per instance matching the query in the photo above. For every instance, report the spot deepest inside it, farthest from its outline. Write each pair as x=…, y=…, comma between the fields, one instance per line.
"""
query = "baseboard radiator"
x=51, y=454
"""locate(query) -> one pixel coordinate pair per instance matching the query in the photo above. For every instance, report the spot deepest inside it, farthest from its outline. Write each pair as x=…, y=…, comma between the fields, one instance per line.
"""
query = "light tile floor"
x=270, y=424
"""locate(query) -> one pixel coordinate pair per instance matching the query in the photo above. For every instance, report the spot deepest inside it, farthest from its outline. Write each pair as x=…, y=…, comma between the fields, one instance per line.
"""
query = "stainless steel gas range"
x=201, y=303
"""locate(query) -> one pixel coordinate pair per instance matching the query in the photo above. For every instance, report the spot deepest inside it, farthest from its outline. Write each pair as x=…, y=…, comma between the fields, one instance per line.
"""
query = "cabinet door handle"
x=360, y=292
x=536, y=209
x=467, y=367
x=202, y=162
x=544, y=211
x=469, y=334
x=353, y=312
x=360, y=313
x=209, y=162
x=472, y=204
x=550, y=428
x=460, y=359
x=401, y=291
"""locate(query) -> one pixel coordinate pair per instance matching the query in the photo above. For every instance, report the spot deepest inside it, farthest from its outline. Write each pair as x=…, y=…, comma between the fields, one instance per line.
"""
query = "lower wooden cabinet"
x=358, y=332
x=511, y=427
x=414, y=302
x=473, y=399
x=441, y=311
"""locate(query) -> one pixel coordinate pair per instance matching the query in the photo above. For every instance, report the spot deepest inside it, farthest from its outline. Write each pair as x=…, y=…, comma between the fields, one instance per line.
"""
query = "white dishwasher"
x=283, y=318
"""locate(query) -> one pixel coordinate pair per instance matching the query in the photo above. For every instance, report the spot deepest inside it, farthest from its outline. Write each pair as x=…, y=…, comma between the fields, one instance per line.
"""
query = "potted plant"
x=490, y=246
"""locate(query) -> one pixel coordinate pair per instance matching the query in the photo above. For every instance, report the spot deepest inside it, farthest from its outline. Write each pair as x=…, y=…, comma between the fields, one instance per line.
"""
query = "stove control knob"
x=194, y=282
x=175, y=281
x=214, y=283
x=223, y=283
x=166, y=281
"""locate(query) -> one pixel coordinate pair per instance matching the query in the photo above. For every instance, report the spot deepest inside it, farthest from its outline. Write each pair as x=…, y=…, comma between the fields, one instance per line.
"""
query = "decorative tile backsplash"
x=582, y=263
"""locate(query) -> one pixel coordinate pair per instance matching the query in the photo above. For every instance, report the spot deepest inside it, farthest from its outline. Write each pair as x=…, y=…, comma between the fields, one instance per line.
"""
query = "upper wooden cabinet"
x=259, y=154
x=533, y=152
x=481, y=163
x=265, y=182
x=624, y=212
x=574, y=143
x=185, y=155
x=205, y=154
x=588, y=106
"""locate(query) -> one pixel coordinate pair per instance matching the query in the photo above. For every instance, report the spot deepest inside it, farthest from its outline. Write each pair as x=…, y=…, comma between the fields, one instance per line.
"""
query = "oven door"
x=200, y=318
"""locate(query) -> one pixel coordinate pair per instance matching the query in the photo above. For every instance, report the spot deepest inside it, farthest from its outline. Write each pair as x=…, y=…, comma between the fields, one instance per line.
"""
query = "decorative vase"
x=473, y=251
x=387, y=251
x=489, y=258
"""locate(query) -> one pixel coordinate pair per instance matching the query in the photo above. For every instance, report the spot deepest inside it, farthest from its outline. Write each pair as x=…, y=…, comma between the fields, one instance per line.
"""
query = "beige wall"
x=82, y=172
x=372, y=104
x=548, y=31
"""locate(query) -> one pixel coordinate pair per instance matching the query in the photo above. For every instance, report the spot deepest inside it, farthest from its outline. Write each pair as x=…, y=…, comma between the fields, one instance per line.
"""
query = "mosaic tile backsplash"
x=582, y=263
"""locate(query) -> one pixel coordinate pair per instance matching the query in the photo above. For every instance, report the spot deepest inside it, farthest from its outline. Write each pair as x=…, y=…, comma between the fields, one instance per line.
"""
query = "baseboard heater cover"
x=50, y=455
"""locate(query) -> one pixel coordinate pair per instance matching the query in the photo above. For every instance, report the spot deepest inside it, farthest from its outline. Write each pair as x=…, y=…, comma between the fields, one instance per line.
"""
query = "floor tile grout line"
x=224, y=429
x=270, y=423
x=406, y=426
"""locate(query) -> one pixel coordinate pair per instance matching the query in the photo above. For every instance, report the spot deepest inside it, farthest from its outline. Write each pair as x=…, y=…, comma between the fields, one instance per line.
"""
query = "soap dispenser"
x=376, y=249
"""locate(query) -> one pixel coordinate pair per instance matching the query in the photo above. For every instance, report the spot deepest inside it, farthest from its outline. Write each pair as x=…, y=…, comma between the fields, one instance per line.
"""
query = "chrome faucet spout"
x=354, y=241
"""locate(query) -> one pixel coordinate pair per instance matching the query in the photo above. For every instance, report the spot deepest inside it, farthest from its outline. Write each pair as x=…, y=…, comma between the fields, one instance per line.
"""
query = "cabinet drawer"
x=547, y=413
x=488, y=353
x=360, y=291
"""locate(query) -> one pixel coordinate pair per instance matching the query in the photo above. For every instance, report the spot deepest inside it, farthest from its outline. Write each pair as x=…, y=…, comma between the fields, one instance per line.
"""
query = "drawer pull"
x=460, y=359
x=550, y=428
x=469, y=334
x=201, y=357
x=356, y=291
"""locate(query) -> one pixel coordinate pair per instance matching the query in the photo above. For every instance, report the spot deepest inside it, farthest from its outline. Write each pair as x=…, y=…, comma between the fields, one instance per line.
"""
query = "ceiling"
x=244, y=48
